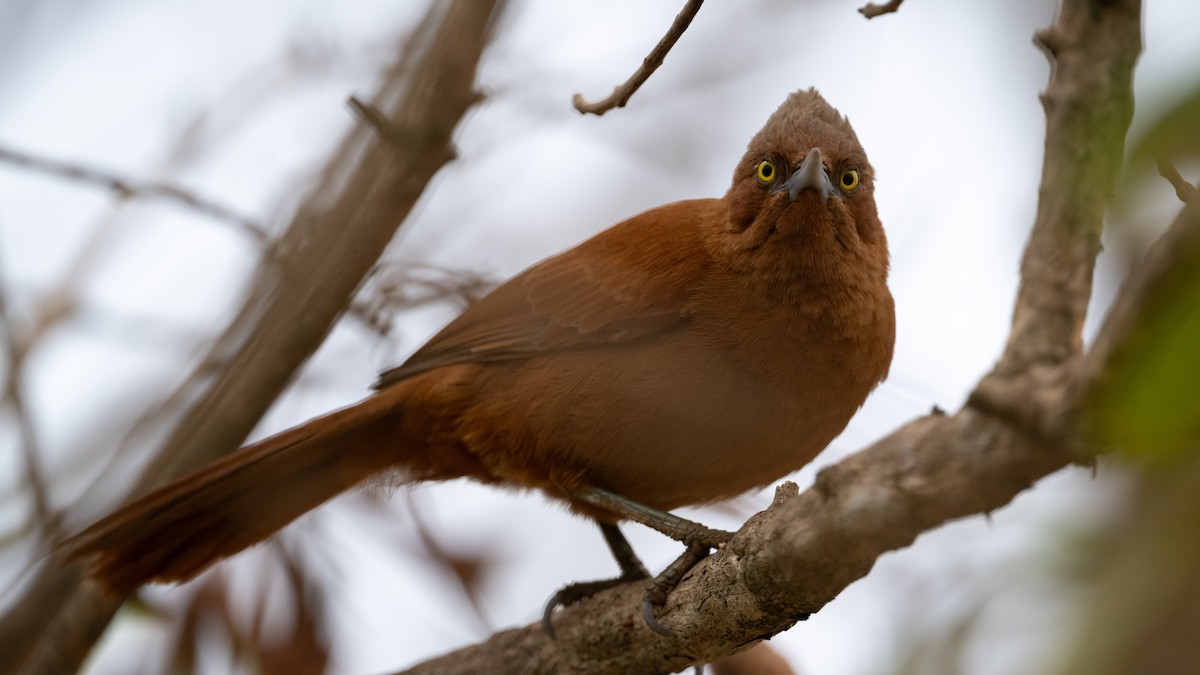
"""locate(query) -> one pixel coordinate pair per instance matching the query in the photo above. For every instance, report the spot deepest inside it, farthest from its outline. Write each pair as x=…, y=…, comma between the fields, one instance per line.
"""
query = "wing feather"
x=621, y=285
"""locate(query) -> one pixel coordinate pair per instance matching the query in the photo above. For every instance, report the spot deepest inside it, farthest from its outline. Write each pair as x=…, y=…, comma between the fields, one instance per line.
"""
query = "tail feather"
x=174, y=533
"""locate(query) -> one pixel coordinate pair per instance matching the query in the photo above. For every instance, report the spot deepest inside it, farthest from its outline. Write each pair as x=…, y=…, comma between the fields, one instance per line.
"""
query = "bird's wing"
x=627, y=282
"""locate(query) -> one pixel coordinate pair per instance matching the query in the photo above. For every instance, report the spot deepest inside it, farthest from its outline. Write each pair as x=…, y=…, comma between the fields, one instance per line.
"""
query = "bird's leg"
x=680, y=529
x=632, y=569
x=698, y=539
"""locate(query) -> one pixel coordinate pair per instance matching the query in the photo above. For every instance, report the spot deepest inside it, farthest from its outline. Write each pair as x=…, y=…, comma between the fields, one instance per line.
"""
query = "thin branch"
x=872, y=10
x=46, y=519
x=1183, y=189
x=623, y=92
x=130, y=188
x=464, y=568
x=415, y=285
x=1178, y=248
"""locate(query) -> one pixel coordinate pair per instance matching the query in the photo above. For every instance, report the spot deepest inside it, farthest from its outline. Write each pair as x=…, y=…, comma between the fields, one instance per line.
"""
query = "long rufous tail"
x=175, y=532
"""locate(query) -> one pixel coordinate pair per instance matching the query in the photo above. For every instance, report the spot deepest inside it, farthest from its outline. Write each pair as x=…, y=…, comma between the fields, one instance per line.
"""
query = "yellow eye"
x=766, y=172
x=849, y=180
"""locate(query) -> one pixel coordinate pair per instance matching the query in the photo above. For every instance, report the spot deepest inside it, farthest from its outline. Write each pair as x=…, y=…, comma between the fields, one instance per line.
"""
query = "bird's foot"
x=699, y=539
x=632, y=569
x=666, y=581
x=573, y=593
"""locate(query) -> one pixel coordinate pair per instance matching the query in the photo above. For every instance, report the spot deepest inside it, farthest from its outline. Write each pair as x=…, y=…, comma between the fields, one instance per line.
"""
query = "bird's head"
x=804, y=184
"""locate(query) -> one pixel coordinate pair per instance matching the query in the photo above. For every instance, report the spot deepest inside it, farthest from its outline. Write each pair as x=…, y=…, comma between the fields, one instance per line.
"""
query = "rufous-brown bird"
x=686, y=355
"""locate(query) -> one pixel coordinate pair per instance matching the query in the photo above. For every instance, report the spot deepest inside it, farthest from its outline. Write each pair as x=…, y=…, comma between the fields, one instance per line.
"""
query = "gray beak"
x=810, y=175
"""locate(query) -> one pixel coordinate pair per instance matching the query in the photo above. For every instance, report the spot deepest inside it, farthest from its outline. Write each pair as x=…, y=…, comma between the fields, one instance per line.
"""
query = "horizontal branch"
x=788, y=561
x=126, y=187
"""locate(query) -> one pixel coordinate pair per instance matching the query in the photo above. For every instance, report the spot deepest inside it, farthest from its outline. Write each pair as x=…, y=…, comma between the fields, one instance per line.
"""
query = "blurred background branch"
x=1183, y=189
x=873, y=9
x=127, y=188
x=45, y=520
x=1142, y=615
x=304, y=284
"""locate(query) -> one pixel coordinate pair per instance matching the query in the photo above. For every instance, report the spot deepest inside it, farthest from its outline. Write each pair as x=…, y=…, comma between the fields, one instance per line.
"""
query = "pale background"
x=240, y=102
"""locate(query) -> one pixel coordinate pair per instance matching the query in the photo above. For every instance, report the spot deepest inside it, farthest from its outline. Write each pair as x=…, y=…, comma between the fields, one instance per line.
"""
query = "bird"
x=686, y=355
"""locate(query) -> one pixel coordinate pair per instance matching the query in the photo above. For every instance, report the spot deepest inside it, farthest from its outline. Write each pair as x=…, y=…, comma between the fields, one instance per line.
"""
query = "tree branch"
x=307, y=280
x=1185, y=191
x=799, y=554
x=653, y=60
x=872, y=10
x=45, y=518
x=1092, y=47
x=1178, y=249
x=131, y=188
x=788, y=561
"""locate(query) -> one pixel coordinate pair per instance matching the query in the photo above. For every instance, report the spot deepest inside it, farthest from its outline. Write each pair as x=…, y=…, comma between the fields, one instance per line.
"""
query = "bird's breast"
x=742, y=393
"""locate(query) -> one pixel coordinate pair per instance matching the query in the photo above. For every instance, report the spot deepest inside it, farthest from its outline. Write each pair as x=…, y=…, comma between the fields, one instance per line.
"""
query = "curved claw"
x=569, y=595
x=548, y=612
x=652, y=623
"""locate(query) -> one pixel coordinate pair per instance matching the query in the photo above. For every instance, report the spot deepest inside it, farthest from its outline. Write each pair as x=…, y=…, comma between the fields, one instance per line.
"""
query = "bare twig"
x=46, y=519
x=367, y=190
x=465, y=569
x=872, y=10
x=460, y=286
x=653, y=60
x=1183, y=189
x=377, y=120
x=130, y=188
x=1177, y=249
x=415, y=285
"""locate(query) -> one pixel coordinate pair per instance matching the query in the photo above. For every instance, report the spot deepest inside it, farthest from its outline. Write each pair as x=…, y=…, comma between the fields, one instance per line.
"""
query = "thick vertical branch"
x=366, y=192
x=1092, y=47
